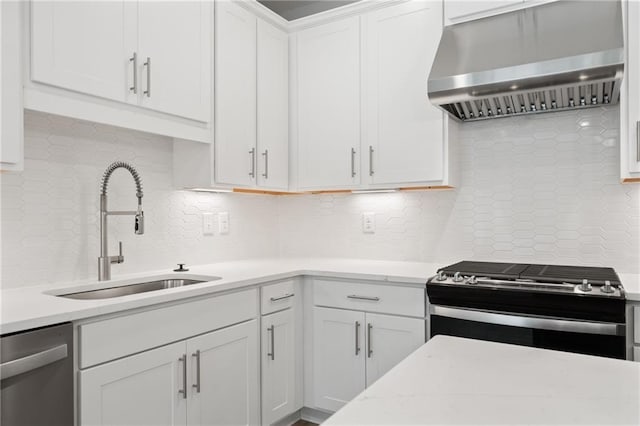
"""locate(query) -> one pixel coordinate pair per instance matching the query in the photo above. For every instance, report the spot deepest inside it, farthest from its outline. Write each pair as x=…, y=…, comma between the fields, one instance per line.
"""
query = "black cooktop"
x=539, y=273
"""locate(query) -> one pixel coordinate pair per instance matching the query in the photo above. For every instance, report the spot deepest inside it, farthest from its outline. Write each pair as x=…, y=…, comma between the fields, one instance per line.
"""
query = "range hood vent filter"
x=557, y=56
x=554, y=99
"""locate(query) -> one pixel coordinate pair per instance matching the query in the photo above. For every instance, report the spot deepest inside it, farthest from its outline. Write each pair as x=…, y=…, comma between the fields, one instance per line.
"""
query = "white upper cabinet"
x=11, y=114
x=273, y=107
x=630, y=99
x=328, y=105
x=404, y=140
x=174, y=56
x=142, y=65
x=84, y=46
x=235, y=94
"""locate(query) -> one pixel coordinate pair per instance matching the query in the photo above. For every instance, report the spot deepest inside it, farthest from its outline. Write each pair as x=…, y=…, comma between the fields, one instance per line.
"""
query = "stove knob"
x=441, y=276
x=585, y=286
x=607, y=288
x=457, y=278
x=472, y=280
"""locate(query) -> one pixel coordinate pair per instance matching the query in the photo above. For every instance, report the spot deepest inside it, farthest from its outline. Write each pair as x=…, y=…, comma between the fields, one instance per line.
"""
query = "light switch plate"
x=223, y=222
x=207, y=223
x=368, y=222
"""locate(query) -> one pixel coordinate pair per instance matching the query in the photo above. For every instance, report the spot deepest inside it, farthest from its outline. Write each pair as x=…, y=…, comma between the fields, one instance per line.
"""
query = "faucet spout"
x=105, y=261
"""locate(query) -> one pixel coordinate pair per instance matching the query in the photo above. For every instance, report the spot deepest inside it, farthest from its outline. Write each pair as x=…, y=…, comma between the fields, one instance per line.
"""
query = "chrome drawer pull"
x=354, y=296
x=286, y=296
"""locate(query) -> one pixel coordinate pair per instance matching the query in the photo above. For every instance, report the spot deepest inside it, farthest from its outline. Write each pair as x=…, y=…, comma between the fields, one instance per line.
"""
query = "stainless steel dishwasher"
x=36, y=374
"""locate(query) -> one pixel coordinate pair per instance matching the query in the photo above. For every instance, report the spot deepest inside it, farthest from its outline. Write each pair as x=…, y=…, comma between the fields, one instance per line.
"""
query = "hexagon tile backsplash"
x=542, y=188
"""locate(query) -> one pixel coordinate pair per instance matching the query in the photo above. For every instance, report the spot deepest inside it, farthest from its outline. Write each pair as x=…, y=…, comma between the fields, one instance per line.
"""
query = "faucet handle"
x=119, y=258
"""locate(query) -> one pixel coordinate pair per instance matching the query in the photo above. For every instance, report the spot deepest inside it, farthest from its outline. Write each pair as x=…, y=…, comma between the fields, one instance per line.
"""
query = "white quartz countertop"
x=454, y=381
x=35, y=306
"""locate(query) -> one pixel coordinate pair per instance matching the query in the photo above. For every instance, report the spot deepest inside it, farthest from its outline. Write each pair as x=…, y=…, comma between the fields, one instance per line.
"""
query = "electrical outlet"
x=207, y=223
x=368, y=222
x=223, y=223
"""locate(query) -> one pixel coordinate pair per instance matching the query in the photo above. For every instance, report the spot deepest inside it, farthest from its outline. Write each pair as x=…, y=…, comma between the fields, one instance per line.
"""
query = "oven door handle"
x=574, y=326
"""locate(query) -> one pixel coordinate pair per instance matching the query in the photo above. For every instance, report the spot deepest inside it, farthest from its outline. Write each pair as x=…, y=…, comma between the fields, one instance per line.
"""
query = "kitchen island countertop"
x=455, y=381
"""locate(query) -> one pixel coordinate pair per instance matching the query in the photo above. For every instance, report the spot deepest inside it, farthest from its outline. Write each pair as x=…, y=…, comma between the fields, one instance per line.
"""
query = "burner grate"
x=486, y=269
x=570, y=274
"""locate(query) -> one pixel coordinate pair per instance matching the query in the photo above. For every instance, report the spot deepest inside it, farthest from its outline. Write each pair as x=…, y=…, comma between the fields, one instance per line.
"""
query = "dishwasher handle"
x=31, y=362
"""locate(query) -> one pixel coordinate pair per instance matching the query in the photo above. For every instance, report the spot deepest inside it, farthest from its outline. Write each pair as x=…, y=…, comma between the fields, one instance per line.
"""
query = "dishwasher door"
x=36, y=373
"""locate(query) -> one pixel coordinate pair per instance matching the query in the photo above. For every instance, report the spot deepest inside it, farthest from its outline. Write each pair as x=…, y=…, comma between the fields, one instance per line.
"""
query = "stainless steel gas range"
x=568, y=308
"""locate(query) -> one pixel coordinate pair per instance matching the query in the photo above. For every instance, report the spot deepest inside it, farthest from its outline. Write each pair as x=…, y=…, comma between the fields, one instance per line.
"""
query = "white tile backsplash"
x=543, y=188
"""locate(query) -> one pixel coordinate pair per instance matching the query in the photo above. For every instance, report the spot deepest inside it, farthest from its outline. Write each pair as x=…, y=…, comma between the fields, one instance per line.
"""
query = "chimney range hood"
x=551, y=57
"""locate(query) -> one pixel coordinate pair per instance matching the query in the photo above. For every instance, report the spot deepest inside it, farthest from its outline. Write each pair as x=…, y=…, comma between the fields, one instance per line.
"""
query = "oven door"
x=578, y=336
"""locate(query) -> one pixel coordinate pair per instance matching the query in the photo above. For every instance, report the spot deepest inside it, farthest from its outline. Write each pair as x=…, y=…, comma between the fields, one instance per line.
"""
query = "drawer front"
x=387, y=299
x=636, y=324
x=279, y=296
x=113, y=338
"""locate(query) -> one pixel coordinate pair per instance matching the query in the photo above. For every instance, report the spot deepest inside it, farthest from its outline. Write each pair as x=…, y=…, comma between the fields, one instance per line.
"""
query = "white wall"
x=50, y=221
x=533, y=189
x=542, y=188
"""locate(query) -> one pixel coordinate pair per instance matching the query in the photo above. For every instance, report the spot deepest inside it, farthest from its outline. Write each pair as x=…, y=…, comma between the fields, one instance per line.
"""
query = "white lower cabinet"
x=353, y=349
x=278, y=366
x=140, y=389
x=206, y=380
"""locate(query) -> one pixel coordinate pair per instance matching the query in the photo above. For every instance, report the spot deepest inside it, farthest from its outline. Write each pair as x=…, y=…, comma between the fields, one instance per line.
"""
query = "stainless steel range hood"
x=551, y=57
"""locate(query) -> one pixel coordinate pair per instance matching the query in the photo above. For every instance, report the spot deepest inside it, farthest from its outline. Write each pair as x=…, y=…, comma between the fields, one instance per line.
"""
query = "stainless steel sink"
x=125, y=290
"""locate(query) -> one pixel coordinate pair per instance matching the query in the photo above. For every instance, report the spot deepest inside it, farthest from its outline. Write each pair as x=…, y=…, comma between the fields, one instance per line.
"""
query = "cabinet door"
x=328, y=105
x=632, y=75
x=140, y=389
x=11, y=112
x=463, y=10
x=235, y=77
x=278, y=366
x=404, y=142
x=226, y=390
x=176, y=37
x=339, y=357
x=84, y=46
x=273, y=107
x=389, y=340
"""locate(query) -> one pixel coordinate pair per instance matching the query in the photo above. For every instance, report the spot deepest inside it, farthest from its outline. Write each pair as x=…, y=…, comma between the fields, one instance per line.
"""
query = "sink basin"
x=125, y=290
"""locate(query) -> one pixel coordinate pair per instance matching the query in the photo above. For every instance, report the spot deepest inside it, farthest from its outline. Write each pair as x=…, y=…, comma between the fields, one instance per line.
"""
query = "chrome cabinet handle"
x=369, y=350
x=353, y=162
x=272, y=354
x=183, y=391
x=252, y=173
x=134, y=59
x=357, y=338
x=31, y=362
x=197, y=383
x=638, y=141
x=286, y=296
x=265, y=154
x=355, y=296
x=148, y=65
x=371, y=160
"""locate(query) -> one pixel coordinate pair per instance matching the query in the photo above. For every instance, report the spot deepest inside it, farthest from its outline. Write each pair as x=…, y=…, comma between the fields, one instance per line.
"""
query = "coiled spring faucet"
x=105, y=261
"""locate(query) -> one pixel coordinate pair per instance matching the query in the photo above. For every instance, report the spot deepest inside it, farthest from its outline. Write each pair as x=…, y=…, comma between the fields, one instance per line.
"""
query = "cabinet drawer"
x=276, y=297
x=636, y=324
x=113, y=338
x=387, y=299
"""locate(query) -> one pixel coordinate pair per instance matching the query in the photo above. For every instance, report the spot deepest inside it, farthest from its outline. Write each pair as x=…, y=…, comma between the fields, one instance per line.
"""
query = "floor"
x=304, y=423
